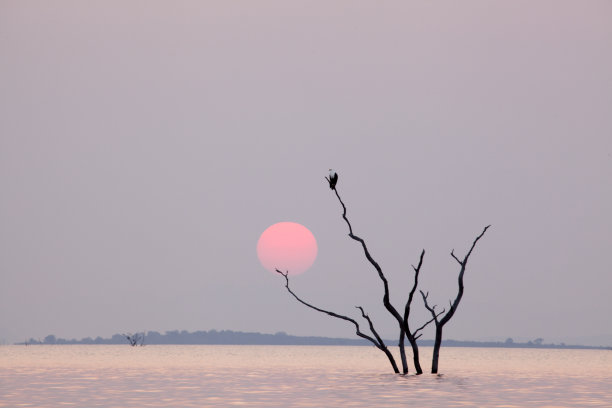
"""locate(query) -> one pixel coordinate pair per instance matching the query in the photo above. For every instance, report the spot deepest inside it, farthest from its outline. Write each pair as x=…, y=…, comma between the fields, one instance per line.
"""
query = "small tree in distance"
x=134, y=339
x=403, y=321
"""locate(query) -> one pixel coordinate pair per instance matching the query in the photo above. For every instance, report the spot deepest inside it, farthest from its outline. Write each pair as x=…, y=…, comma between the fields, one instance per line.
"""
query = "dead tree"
x=376, y=340
x=453, y=306
x=402, y=319
x=134, y=339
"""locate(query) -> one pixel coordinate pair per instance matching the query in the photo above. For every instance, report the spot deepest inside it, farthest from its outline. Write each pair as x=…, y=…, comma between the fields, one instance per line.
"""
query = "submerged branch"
x=336, y=315
x=374, y=332
x=378, y=342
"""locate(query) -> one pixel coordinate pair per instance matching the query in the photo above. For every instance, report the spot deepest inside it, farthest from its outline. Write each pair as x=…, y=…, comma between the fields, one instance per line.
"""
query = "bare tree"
x=405, y=332
x=453, y=306
x=402, y=320
x=134, y=339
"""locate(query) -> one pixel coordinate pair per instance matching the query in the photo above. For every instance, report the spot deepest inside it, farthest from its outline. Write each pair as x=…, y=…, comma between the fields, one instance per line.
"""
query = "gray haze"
x=145, y=146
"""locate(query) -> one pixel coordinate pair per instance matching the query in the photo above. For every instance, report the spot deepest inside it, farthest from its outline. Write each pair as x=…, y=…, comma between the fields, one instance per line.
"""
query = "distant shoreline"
x=229, y=337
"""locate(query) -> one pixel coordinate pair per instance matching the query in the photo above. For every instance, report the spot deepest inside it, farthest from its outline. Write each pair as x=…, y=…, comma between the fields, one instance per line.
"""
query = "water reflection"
x=298, y=376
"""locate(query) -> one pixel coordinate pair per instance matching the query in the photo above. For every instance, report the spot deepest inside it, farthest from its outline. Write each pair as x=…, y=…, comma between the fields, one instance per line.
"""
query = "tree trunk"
x=403, y=352
x=436, y=350
x=391, y=360
x=415, y=356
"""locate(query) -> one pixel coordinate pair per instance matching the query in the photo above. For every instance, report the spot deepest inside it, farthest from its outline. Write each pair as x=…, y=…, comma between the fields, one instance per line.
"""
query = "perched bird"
x=333, y=179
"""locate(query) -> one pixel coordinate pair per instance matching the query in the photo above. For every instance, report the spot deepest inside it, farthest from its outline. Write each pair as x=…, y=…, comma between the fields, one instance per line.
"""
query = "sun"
x=287, y=246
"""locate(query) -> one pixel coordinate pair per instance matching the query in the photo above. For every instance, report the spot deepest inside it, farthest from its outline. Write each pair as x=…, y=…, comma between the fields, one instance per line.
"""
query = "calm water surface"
x=297, y=376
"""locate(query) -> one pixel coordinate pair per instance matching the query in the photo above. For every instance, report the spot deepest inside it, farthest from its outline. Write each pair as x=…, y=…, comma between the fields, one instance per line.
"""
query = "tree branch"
x=432, y=310
x=463, y=264
x=336, y=315
x=456, y=259
x=435, y=316
x=378, y=342
x=417, y=270
x=474, y=244
x=374, y=332
x=381, y=275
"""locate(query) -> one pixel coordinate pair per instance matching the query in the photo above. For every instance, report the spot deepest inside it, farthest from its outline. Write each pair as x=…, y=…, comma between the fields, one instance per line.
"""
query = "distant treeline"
x=230, y=337
x=208, y=337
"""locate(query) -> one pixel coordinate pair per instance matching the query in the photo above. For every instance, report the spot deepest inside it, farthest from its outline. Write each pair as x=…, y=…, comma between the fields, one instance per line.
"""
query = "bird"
x=333, y=179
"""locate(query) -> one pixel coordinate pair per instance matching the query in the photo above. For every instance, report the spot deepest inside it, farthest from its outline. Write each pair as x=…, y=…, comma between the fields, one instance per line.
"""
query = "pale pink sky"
x=144, y=147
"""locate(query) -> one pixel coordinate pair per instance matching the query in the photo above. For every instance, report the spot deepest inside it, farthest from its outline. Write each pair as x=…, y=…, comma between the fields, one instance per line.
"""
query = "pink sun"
x=287, y=246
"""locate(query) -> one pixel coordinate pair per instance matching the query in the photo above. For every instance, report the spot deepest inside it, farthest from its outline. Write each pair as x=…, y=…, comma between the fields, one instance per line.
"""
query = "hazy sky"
x=145, y=146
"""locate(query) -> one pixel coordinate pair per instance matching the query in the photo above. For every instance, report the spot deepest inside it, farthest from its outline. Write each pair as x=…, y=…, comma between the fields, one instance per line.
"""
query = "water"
x=297, y=376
